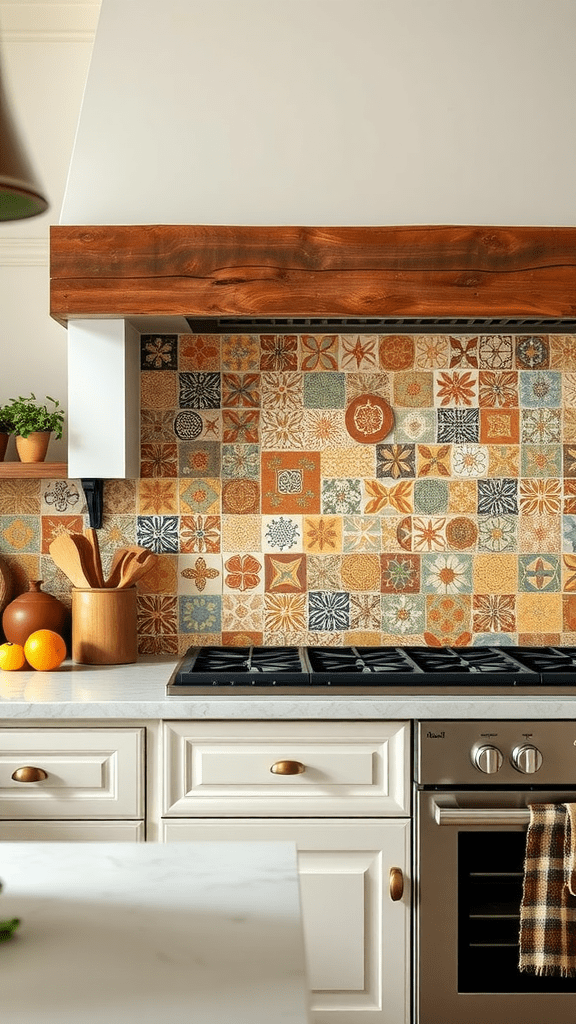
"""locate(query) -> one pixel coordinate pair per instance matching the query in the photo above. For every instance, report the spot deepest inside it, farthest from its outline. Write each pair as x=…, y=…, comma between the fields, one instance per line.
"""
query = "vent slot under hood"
x=426, y=325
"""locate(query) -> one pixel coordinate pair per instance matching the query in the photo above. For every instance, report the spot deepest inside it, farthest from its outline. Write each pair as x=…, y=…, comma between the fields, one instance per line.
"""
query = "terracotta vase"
x=34, y=447
x=4, y=438
x=31, y=611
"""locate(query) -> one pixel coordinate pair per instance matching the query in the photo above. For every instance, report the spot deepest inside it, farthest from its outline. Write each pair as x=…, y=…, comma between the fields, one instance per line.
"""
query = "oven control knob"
x=526, y=759
x=487, y=759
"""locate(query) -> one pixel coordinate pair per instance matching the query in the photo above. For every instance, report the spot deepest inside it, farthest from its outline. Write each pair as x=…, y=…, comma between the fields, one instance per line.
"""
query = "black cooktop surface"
x=371, y=669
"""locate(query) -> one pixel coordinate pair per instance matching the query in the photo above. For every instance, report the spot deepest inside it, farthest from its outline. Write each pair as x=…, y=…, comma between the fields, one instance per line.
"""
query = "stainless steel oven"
x=473, y=784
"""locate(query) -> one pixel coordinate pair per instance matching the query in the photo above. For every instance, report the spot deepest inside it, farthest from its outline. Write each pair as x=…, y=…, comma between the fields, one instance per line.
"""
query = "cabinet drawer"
x=89, y=773
x=346, y=768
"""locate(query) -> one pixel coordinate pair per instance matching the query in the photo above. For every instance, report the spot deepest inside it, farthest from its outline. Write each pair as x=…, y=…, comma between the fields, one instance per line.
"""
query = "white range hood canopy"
x=318, y=112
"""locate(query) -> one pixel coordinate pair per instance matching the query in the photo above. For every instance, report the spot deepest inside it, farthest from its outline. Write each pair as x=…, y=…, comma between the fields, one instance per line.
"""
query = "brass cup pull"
x=29, y=774
x=287, y=768
x=396, y=884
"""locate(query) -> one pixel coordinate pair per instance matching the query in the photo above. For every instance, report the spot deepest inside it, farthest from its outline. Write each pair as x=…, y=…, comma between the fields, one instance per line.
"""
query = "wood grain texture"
x=42, y=470
x=203, y=271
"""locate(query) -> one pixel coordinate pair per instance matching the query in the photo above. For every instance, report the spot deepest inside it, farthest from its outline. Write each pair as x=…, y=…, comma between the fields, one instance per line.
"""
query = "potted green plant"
x=33, y=424
x=5, y=429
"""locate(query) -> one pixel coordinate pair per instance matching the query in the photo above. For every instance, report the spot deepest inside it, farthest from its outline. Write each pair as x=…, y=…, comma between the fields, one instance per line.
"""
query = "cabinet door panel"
x=72, y=831
x=357, y=939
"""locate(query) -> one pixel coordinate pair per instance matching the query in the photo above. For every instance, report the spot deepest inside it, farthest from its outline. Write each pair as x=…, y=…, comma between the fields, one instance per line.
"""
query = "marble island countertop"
x=138, y=691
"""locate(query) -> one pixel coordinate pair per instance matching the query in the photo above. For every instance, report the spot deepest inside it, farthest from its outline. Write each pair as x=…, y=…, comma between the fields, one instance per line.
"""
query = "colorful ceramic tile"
x=539, y=613
x=200, y=495
x=464, y=352
x=162, y=578
x=241, y=533
x=498, y=389
x=448, y=620
x=403, y=614
x=495, y=573
x=462, y=496
x=358, y=351
x=432, y=351
x=497, y=497
x=568, y=569
x=539, y=572
x=159, y=390
x=290, y=482
x=403, y=533
x=243, y=572
x=433, y=460
x=400, y=573
x=562, y=351
x=210, y=421
x=369, y=419
x=323, y=572
x=494, y=613
x=158, y=533
x=62, y=497
x=240, y=460
x=20, y=497
x=456, y=388
x=532, y=352
x=461, y=533
x=495, y=352
x=503, y=460
x=328, y=611
x=348, y=462
x=278, y=352
x=428, y=533
x=159, y=460
x=396, y=351
x=187, y=425
x=543, y=460
x=413, y=389
x=243, y=612
x=199, y=390
x=569, y=503
x=199, y=533
x=284, y=615
x=157, y=425
x=161, y=644
x=469, y=460
x=540, y=389
x=199, y=352
x=324, y=430
x=430, y=496
x=388, y=499
x=319, y=351
x=240, y=426
x=447, y=573
x=202, y=614
x=241, y=638
x=281, y=429
x=157, y=614
x=322, y=533
x=19, y=534
x=569, y=533
x=117, y=531
x=282, y=390
x=241, y=497
x=500, y=426
x=365, y=612
x=241, y=390
x=240, y=352
x=324, y=391
x=417, y=425
x=568, y=389
x=361, y=533
x=540, y=426
x=538, y=532
x=55, y=526
x=569, y=612
x=341, y=497
x=392, y=532
x=458, y=426
x=157, y=496
x=395, y=460
x=498, y=533
x=282, y=533
x=285, y=574
x=540, y=496
x=158, y=352
x=569, y=460
x=199, y=459
x=368, y=384
x=360, y=572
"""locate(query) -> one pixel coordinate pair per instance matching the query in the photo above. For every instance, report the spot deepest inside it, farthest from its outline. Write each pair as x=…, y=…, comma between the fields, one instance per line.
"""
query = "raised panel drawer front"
x=275, y=769
x=77, y=773
x=72, y=831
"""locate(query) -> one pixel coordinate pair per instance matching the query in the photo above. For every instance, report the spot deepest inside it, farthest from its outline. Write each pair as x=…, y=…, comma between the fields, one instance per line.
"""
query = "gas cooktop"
x=372, y=670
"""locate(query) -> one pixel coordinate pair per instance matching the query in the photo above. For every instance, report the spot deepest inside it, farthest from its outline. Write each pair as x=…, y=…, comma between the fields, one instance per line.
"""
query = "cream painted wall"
x=45, y=51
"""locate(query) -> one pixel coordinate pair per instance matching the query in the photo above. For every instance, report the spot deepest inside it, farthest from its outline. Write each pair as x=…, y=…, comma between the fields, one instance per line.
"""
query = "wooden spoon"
x=134, y=567
x=68, y=557
x=96, y=561
x=117, y=561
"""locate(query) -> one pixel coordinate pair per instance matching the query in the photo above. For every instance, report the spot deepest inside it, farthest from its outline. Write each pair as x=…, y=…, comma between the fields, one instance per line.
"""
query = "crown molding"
x=24, y=252
x=48, y=22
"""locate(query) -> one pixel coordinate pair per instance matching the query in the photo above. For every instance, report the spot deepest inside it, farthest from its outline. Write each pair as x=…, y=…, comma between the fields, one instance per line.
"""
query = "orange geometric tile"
x=396, y=352
x=540, y=496
x=464, y=352
x=319, y=351
x=462, y=496
x=322, y=534
x=413, y=389
x=158, y=496
x=503, y=460
x=162, y=578
x=53, y=526
x=290, y=482
x=240, y=351
x=240, y=639
x=498, y=389
x=495, y=573
x=539, y=613
x=499, y=426
x=159, y=389
x=360, y=572
x=199, y=352
x=285, y=574
x=241, y=496
x=433, y=459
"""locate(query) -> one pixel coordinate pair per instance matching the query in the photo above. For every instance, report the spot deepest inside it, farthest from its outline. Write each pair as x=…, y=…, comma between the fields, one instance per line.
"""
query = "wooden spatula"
x=96, y=561
x=67, y=557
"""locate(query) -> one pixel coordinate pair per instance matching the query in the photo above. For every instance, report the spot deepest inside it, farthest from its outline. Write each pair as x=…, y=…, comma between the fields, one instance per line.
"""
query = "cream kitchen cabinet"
x=340, y=790
x=72, y=784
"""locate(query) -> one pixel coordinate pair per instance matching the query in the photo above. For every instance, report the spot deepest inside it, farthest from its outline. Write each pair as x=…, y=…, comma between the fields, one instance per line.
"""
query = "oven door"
x=469, y=865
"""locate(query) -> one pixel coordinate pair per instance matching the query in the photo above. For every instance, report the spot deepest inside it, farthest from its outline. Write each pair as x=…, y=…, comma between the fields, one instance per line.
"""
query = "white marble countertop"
x=136, y=933
x=138, y=692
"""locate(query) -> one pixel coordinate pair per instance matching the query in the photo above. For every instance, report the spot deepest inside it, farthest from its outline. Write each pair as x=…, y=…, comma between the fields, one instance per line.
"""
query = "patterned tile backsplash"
x=285, y=510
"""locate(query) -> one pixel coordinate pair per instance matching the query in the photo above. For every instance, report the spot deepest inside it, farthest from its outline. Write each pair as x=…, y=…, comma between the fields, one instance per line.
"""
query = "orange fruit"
x=44, y=650
x=12, y=657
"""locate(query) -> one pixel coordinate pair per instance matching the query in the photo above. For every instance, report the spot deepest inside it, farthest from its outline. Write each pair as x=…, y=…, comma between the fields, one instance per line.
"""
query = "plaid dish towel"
x=548, y=907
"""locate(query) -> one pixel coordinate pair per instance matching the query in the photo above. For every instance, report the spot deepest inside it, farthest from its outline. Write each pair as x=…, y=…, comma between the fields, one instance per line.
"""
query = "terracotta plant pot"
x=34, y=447
x=4, y=438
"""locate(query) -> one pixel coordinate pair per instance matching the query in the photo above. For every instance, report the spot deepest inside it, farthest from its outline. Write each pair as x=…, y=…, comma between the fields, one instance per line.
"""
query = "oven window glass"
x=490, y=873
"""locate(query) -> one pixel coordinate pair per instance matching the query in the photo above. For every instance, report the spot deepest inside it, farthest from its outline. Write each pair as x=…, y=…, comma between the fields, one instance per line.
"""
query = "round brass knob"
x=396, y=884
x=287, y=768
x=29, y=774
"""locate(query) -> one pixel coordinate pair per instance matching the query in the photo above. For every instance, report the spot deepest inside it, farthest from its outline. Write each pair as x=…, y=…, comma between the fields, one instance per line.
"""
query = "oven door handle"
x=481, y=815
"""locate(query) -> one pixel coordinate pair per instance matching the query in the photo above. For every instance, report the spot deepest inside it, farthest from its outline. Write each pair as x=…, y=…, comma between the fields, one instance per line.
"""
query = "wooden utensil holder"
x=104, y=630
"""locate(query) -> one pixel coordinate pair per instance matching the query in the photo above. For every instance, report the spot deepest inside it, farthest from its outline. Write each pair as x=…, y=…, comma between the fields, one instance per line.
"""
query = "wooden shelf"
x=33, y=470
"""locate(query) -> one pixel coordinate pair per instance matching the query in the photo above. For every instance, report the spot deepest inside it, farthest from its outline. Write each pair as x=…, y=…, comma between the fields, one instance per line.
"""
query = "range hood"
x=242, y=164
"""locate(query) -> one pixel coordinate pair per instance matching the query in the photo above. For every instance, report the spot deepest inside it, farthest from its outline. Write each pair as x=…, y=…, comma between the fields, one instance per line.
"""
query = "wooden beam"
x=397, y=272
